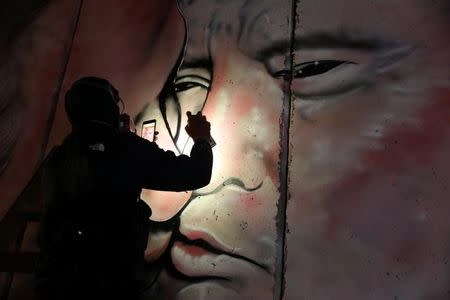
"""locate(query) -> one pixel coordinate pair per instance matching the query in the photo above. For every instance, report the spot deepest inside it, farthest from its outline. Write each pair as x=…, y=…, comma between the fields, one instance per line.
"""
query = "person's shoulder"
x=130, y=138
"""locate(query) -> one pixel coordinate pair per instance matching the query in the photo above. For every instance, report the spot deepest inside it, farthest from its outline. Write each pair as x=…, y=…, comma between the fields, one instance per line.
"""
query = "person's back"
x=93, y=232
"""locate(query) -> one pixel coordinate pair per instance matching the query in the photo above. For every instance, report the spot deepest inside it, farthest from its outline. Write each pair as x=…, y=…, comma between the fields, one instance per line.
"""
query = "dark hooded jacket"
x=92, y=226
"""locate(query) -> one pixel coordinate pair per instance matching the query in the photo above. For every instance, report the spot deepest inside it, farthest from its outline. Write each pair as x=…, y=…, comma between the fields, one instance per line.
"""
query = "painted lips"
x=195, y=261
x=198, y=254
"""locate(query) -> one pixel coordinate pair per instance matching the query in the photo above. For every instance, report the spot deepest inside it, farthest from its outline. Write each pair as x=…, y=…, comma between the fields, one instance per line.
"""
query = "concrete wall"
x=332, y=124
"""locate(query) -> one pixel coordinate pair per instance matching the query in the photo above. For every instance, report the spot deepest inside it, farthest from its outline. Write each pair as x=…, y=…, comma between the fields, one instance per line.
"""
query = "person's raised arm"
x=163, y=170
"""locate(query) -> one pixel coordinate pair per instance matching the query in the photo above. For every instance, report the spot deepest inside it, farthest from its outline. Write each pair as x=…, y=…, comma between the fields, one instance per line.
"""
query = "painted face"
x=227, y=232
x=367, y=211
x=367, y=214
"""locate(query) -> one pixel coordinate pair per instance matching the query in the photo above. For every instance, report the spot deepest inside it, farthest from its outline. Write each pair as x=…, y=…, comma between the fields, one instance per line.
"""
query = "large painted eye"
x=310, y=68
x=187, y=82
x=191, y=88
x=320, y=79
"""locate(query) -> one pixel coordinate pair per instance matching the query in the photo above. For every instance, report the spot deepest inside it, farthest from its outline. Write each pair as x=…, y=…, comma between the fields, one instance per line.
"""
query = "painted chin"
x=207, y=290
x=201, y=274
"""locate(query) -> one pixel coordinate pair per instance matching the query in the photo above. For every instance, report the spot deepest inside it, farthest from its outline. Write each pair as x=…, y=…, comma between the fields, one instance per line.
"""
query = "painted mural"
x=332, y=128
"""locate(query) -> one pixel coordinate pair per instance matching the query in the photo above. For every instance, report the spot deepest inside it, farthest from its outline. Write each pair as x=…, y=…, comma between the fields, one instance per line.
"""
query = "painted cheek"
x=271, y=160
x=415, y=145
x=251, y=202
x=249, y=206
x=373, y=202
x=265, y=136
x=164, y=205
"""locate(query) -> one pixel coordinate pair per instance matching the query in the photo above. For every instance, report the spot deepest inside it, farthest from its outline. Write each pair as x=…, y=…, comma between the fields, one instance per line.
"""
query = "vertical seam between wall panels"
x=284, y=165
x=59, y=82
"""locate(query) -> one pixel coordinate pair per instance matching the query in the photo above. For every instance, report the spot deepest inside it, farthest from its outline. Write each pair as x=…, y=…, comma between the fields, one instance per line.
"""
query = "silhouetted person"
x=92, y=236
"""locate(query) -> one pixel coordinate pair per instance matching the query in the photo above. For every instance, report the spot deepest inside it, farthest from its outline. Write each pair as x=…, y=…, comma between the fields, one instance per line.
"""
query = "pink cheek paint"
x=251, y=202
x=407, y=145
x=271, y=159
x=339, y=201
x=407, y=150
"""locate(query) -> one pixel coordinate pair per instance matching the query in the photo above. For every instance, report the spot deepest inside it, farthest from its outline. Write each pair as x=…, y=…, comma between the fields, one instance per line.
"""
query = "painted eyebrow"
x=322, y=40
x=202, y=63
